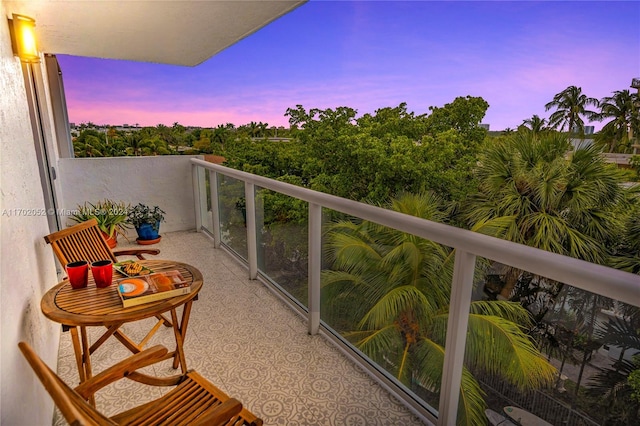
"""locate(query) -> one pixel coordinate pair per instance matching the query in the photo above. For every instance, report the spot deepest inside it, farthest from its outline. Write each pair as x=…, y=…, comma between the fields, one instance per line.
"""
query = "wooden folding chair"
x=84, y=241
x=193, y=401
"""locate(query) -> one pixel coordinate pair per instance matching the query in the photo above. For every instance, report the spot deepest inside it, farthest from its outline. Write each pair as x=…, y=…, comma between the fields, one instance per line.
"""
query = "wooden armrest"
x=221, y=414
x=136, y=252
x=121, y=369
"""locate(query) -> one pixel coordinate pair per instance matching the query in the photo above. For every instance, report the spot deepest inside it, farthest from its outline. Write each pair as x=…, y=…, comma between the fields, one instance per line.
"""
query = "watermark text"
x=25, y=212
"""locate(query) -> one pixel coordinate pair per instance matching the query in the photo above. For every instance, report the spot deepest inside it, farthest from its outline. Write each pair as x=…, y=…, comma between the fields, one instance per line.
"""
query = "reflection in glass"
x=282, y=223
x=233, y=214
x=591, y=340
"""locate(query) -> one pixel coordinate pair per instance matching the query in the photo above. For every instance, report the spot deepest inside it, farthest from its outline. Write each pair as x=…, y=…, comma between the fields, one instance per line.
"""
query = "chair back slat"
x=73, y=407
x=83, y=241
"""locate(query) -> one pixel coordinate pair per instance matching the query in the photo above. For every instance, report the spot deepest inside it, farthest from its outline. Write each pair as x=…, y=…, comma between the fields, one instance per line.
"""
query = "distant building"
x=588, y=130
x=485, y=126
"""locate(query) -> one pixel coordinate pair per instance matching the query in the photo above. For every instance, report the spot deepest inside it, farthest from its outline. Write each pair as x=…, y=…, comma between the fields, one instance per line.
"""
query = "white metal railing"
x=587, y=276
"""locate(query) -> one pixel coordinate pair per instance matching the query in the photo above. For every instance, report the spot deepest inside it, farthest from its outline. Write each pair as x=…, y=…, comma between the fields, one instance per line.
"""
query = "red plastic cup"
x=102, y=272
x=78, y=273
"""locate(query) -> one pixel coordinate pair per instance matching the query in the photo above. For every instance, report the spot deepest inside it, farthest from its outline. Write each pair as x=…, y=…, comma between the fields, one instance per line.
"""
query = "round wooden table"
x=77, y=309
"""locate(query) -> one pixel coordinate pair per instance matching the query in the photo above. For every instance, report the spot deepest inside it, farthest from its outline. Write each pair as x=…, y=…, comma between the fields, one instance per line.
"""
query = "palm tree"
x=622, y=110
x=134, y=142
x=262, y=129
x=178, y=132
x=570, y=105
x=388, y=293
x=612, y=388
x=115, y=147
x=535, y=124
x=569, y=206
x=221, y=134
x=253, y=129
x=154, y=146
x=627, y=251
x=89, y=146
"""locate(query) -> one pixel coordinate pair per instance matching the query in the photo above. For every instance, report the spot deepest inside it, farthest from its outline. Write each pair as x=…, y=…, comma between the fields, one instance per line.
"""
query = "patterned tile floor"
x=251, y=345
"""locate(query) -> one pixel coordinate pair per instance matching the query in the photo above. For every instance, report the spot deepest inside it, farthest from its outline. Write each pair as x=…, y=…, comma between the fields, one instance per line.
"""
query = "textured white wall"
x=163, y=181
x=27, y=267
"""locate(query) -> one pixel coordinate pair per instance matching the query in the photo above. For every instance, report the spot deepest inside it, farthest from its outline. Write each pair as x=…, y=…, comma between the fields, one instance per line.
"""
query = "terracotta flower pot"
x=111, y=241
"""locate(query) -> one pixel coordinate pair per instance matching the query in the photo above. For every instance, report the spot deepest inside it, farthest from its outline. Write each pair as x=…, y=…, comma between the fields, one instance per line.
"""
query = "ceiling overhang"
x=182, y=32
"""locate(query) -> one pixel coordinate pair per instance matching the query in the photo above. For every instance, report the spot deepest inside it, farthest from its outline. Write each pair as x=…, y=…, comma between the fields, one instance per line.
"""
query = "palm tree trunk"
x=564, y=300
x=510, y=280
x=585, y=352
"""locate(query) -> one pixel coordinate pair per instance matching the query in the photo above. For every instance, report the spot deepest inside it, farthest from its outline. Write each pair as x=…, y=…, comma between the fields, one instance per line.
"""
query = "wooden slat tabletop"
x=92, y=306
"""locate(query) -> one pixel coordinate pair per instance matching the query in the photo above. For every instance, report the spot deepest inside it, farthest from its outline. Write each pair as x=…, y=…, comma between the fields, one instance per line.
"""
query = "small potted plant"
x=146, y=221
x=111, y=217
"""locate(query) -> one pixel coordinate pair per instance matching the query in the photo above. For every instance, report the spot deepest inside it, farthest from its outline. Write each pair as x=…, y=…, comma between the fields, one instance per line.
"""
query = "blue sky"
x=375, y=54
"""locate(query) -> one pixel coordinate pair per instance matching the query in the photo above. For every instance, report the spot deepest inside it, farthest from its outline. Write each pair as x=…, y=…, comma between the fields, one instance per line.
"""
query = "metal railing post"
x=215, y=208
x=196, y=197
x=315, y=263
x=252, y=244
x=460, y=303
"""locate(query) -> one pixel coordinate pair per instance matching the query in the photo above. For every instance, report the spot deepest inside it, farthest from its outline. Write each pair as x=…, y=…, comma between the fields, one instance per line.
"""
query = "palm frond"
x=494, y=227
x=351, y=252
x=430, y=360
x=403, y=262
x=472, y=404
x=511, y=311
x=389, y=308
x=379, y=344
x=500, y=347
x=618, y=332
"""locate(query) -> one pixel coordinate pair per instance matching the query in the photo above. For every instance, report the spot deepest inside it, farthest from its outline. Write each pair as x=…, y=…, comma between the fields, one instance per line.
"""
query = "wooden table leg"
x=86, y=358
x=77, y=351
x=186, y=313
x=178, y=356
x=127, y=342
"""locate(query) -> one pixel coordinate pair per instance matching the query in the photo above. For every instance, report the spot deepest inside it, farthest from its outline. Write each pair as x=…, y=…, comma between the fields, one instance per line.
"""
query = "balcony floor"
x=251, y=345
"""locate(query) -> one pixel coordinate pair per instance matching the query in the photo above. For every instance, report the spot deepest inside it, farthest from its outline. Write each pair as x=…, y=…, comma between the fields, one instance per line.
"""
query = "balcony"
x=260, y=328
x=248, y=342
x=206, y=198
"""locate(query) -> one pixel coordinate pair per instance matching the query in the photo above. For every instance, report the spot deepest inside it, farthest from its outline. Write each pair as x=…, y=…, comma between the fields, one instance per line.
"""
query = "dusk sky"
x=373, y=54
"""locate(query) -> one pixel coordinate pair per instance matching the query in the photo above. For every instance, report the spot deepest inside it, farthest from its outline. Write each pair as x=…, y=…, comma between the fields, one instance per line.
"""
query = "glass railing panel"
x=232, y=206
x=205, y=200
x=387, y=294
x=282, y=233
x=557, y=352
x=575, y=350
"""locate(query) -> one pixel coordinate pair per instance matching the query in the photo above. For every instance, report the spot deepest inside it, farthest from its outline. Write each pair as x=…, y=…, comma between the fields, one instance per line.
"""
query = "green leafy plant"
x=633, y=379
x=389, y=294
x=634, y=162
x=141, y=214
x=111, y=216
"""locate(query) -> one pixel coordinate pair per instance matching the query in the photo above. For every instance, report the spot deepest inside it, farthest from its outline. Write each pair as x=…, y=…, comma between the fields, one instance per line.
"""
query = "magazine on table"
x=150, y=288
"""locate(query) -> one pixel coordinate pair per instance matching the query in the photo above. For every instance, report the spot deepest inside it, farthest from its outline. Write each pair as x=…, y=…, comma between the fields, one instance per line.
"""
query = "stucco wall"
x=27, y=267
x=163, y=181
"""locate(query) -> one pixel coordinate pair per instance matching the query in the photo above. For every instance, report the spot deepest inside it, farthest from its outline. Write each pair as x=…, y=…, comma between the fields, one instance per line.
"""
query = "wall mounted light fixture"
x=23, y=37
